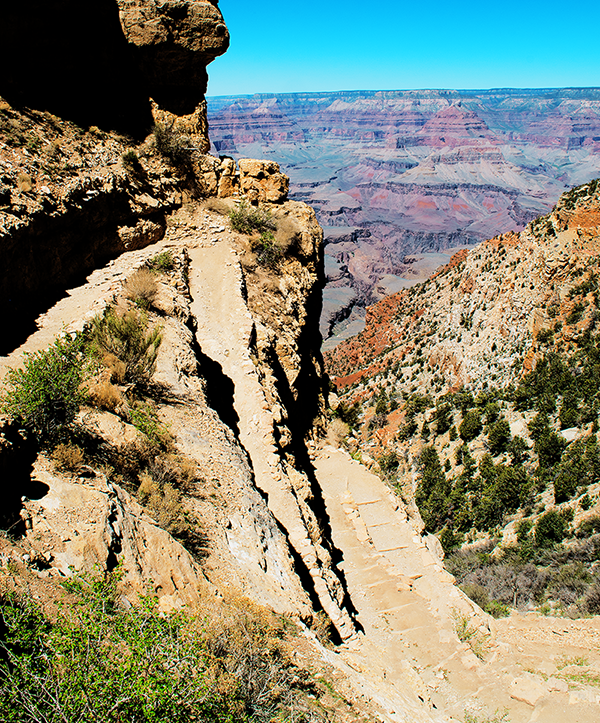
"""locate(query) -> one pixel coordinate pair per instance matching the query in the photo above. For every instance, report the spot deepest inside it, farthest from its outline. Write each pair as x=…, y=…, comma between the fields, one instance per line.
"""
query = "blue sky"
x=310, y=45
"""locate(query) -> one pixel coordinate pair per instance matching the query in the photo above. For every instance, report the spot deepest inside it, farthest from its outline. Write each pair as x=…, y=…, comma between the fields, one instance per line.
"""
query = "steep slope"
x=480, y=395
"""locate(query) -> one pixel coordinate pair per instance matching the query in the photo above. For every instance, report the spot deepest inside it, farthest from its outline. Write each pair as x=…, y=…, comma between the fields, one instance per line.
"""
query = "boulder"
x=263, y=181
x=528, y=688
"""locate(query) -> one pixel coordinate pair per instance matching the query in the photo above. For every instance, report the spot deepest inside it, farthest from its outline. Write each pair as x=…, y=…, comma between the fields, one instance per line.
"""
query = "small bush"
x=162, y=261
x=268, y=253
x=471, y=425
x=68, y=458
x=144, y=417
x=164, y=502
x=550, y=528
x=141, y=288
x=470, y=635
x=131, y=162
x=246, y=219
x=589, y=526
x=499, y=436
x=173, y=145
x=125, y=339
x=46, y=393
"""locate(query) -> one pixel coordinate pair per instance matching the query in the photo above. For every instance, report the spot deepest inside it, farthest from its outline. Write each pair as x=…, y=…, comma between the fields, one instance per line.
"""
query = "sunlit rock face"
x=172, y=43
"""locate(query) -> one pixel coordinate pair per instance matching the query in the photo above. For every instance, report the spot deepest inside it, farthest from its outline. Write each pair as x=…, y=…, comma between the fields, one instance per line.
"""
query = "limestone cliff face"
x=172, y=43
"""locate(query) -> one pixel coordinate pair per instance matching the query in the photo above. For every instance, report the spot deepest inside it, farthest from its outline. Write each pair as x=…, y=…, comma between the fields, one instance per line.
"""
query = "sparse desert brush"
x=131, y=162
x=103, y=394
x=173, y=144
x=126, y=337
x=337, y=431
x=144, y=416
x=68, y=458
x=246, y=219
x=162, y=261
x=142, y=288
x=249, y=642
x=116, y=368
x=469, y=634
x=163, y=501
x=124, y=462
x=268, y=252
x=174, y=469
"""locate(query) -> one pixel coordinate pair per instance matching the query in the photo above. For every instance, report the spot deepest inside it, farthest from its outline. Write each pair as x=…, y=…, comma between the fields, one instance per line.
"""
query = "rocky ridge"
x=477, y=320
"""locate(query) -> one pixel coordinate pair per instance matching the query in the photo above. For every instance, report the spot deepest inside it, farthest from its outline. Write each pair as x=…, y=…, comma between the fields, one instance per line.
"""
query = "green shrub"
x=550, y=528
x=131, y=162
x=144, y=417
x=173, y=145
x=471, y=426
x=45, y=394
x=162, y=262
x=104, y=662
x=125, y=337
x=589, y=526
x=499, y=436
x=268, y=252
x=247, y=219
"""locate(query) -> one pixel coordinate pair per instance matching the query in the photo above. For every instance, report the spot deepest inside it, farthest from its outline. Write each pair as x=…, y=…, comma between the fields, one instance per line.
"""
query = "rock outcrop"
x=171, y=45
x=100, y=63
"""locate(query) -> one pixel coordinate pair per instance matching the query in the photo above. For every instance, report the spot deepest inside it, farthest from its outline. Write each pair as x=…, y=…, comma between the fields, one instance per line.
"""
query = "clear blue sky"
x=305, y=45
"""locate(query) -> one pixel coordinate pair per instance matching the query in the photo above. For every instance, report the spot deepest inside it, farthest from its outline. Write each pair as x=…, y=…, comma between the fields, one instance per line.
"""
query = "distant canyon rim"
x=402, y=179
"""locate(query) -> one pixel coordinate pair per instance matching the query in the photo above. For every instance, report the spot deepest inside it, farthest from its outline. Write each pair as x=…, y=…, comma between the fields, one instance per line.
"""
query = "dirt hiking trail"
x=406, y=656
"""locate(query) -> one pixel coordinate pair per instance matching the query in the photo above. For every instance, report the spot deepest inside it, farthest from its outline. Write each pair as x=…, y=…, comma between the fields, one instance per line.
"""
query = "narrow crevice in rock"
x=298, y=450
x=17, y=456
x=219, y=388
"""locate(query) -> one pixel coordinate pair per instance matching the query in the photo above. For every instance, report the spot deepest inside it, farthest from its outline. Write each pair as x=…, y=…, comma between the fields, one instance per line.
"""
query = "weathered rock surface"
x=172, y=43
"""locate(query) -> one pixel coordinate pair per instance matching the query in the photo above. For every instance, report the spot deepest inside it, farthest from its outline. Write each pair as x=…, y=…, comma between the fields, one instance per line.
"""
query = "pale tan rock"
x=528, y=688
x=263, y=180
x=557, y=685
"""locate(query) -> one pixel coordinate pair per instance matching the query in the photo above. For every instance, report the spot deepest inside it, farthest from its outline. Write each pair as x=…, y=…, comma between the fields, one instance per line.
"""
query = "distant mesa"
x=419, y=171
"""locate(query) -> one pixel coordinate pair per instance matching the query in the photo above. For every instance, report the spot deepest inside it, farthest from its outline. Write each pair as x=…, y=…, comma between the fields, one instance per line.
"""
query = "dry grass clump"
x=142, y=288
x=164, y=502
x=174, y=469
x=337, y=431
x=103, y=394
x=472, y=636
x=68, y=458
x=250, y=644
x=124, y=462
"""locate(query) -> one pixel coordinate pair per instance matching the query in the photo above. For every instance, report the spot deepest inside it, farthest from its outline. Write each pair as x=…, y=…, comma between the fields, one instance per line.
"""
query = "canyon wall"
x=399, y=179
